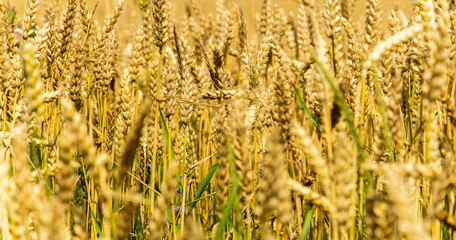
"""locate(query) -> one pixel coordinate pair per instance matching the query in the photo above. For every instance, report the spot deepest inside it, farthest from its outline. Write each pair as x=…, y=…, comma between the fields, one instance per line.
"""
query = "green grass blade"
x=204, y=185
x=97, y=225
x=170, y=146
x=166, y=133
x=232, y=200
x=306, y=110
x=354, y=132
x=306, y=225
x=344, y=108
x=226, y=211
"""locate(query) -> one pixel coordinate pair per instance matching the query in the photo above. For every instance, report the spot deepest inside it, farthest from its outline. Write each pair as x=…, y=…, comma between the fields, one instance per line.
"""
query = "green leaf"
x=166, y=133
x=35, y=150
x=226, y=211
x=306, y=110
x=169, y=145
x=351, y=125
x=204, y=185
x=306, y=224
x=97, y=225
x=232, y=200
x=345, y=112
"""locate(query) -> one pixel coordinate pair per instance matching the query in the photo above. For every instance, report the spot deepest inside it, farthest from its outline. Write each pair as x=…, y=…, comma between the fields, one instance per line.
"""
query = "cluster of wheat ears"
x=313, y=126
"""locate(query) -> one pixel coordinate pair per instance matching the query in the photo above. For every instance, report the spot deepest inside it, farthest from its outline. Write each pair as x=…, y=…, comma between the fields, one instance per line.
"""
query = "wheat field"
x=196, y=119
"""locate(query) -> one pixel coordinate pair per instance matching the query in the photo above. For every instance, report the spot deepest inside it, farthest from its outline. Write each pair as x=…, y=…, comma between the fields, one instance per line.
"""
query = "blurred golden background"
x=129, y=19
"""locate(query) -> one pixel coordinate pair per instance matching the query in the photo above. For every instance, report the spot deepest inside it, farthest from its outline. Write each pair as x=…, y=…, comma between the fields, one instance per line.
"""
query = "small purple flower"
x=180, y=176
x=148, y=166
x=178, y=191
x=18, y=31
